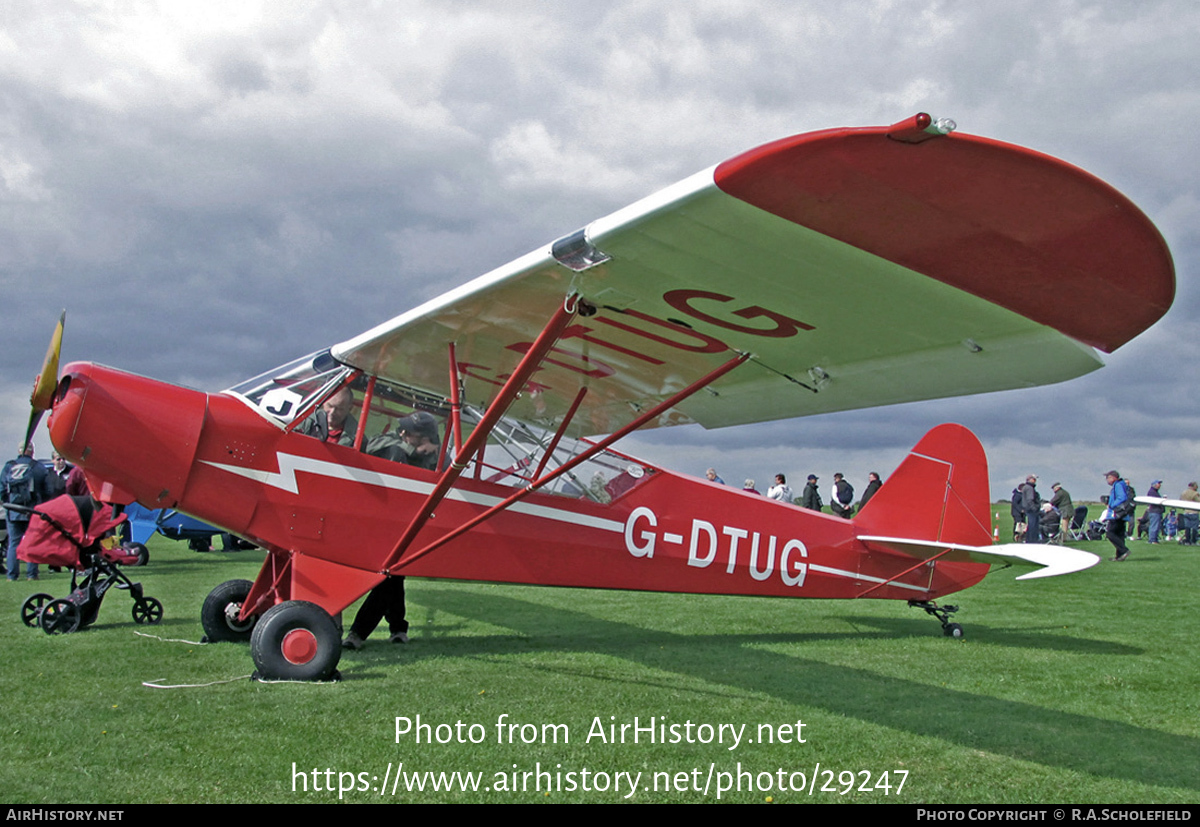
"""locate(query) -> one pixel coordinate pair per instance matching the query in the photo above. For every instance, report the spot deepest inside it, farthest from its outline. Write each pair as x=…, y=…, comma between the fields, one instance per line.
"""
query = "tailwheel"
x=221, y=610
x=296, y=640
x=32, y=607
x=943, y=614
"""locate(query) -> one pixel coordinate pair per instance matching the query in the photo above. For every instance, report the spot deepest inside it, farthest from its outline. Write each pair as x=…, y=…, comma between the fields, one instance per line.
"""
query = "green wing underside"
x=692, y=275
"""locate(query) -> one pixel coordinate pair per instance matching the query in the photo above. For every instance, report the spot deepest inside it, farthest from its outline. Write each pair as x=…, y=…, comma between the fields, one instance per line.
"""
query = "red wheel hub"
x=299, y=646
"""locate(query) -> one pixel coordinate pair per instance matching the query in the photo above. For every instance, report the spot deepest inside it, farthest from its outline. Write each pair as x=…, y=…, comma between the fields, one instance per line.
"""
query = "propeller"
x=47, y=380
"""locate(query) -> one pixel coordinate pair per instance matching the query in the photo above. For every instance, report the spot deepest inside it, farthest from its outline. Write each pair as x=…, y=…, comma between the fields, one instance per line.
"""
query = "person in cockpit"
x=332, y=422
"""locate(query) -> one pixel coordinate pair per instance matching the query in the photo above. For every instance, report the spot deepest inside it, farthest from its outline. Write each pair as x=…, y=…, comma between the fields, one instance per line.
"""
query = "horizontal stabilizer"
x=1054, y=560
x=1187, y=505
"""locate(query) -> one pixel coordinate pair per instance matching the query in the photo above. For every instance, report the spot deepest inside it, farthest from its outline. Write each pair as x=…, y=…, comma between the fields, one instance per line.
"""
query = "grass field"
x=1078, y=689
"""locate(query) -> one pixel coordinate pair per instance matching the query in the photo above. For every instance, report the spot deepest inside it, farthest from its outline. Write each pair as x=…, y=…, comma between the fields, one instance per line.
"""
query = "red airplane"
x=827, y=271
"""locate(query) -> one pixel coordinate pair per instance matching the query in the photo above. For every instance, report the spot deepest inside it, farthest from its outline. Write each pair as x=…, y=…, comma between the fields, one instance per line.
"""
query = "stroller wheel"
x=147, y=610
x=219, y=614
x=32, y=607
x=60, y=617
x=143, y=553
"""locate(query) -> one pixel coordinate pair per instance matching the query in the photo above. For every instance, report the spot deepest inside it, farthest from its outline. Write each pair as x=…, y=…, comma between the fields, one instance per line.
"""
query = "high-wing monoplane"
x=823, y=272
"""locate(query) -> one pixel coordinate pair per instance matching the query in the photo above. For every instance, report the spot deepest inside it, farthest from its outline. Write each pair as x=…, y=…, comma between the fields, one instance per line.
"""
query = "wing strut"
x=532, y=359
x=549, y=451
x=455, y=407
x=596, y=448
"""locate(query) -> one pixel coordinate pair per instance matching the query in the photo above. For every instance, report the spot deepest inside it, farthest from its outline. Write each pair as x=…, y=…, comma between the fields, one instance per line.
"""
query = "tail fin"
x=936, y=504
x=939, y=493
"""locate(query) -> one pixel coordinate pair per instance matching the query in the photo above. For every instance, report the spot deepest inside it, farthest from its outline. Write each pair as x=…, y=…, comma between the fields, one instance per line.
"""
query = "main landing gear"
x=942, y=613
x=297, y=641
x=219, y=615
x=293, y=640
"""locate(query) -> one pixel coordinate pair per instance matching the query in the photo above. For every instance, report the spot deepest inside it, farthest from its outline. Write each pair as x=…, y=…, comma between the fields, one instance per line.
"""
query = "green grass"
x=1073, y=689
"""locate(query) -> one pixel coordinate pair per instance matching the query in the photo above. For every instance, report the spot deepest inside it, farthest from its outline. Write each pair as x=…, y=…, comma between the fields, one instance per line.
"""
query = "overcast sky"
x=214, y=188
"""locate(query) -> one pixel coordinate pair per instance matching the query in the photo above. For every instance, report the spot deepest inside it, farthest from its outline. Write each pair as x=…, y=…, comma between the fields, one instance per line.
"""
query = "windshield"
x=287, y=390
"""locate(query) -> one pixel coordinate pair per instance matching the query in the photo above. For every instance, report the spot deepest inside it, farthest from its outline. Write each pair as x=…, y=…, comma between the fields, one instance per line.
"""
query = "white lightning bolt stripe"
x=285, y=480
x=866, y=577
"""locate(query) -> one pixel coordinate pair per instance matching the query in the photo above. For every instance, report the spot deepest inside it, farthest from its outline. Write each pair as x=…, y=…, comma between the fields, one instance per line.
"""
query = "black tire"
x=59, y=617
x=147, y=610
x=32, y=608
x=143, y=553
x=954, y=630
x=220, y=611
x=295, y=640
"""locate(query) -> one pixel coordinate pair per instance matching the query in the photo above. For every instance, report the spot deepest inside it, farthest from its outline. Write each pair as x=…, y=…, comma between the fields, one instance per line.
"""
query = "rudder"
x=939, y=492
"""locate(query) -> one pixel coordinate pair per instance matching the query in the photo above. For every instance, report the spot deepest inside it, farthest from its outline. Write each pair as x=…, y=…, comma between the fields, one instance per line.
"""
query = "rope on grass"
x=173, y=639
x=155, y=684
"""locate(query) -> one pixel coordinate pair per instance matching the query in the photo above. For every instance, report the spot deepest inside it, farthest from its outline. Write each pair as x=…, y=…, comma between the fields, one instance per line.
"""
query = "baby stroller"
x=1095, y=530
x=66, y=532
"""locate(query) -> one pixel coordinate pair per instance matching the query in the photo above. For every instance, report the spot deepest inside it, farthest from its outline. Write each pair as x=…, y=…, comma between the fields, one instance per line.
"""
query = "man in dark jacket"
x=1031, y=505
x=873, y=485
x=1065, y=508
x=842, y=497
x=811, y=498
x=1155, y=512
x=23, y=482
x=332, y=421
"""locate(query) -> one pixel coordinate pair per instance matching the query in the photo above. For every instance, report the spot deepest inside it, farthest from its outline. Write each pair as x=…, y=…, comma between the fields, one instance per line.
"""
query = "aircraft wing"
x=1186, y=505
x=860, y=266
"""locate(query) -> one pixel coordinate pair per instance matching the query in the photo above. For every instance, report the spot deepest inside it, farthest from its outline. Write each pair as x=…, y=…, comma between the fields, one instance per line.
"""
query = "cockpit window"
x=405, y=424
x=287, y=390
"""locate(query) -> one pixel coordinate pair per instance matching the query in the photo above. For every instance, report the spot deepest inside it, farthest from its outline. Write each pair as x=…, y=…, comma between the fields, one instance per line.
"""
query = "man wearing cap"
x=1031, y=505
x=420, y=433
x=1120, y=506
x=1154, y=513
x=414, y=441
x=1191, y=518
x=1066, y=509
x=811, y=497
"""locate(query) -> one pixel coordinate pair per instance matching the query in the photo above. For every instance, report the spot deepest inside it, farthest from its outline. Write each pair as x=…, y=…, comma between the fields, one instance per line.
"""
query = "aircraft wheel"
x=147, y=610
x=143, y=553
x=219, y=615
x=295, y=640
x=953, y=630
x=32, y=607
x=59, y=617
